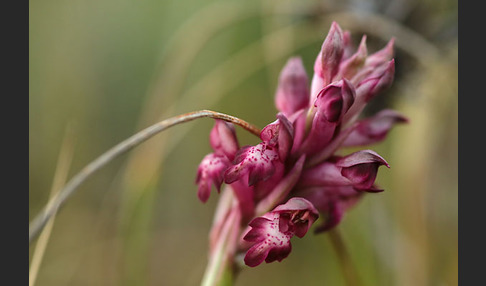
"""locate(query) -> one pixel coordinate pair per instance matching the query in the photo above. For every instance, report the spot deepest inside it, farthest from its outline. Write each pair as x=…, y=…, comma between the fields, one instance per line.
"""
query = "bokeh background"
x=100, y=70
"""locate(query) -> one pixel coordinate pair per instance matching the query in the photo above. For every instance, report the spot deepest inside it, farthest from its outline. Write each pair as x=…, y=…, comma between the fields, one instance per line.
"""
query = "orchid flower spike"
x=280, y=186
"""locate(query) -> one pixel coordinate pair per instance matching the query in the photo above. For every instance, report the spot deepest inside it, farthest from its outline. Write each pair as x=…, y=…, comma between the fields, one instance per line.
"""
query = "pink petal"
x=361, y=168
x=330, y=102
x=327, y=62
x=292, y=91
x=282, y=188
x=324, y=174
x=382, y=56
x=321, y=133
x=279, y=134
x=271, y=233
x=361, y=157
x=296, y=204
x=374, y=129
x=376, y=82
x=351, y=66
x=335, y=100
x=256, y=161
x=246, y=197
x=265, y=232
x=223, y=139
x=210, y=172
x=348, y=45
x=373, y=80
x=317, y=85
x=301, y=215
x=299, y=130
x=331, y=53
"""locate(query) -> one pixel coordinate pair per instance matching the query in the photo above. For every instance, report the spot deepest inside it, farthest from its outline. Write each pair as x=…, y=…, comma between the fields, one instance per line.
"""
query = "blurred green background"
x=102, y=70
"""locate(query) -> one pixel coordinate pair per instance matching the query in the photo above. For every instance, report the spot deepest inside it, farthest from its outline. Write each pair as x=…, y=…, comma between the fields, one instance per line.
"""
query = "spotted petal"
x=210, y=172
x=255, y=161
x=272, y=232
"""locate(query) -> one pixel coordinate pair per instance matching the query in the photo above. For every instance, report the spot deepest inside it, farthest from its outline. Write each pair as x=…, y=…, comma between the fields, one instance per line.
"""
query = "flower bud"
x=330, y=106
x=292, y=91
x=360, y=168
x=210, y=172
x=279, y=134
x=327, y=62
x=374, y=62
x=373, y=129
x=335, y=100
x=377, y=82
x=331, y=53
x=348, y=45
x=351, y=66
x=382, y=56
x=223, y=139
x=357, y=170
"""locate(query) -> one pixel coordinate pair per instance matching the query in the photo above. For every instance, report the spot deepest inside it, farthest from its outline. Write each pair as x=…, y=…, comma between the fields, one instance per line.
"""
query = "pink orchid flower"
x=283, y=184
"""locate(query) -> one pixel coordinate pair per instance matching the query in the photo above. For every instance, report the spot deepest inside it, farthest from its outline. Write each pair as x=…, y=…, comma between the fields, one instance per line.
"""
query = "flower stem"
x=56, y=202
x=349, y=271
x=220, y=270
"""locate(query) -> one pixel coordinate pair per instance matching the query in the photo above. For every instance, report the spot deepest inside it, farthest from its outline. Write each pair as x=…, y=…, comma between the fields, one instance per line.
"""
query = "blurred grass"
x=59, y=180
x=116, y=67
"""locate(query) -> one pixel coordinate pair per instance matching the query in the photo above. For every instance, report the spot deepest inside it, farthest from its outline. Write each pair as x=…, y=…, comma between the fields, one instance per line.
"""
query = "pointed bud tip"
x=391, y=43
x=335, y=26
x=389, y=48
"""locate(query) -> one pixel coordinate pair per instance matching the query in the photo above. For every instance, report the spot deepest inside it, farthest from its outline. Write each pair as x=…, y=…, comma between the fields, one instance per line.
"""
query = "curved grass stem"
x=40, y=221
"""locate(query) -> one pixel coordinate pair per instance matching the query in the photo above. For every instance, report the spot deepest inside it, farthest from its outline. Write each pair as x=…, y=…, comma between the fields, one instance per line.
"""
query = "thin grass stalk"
x=55, y=203
x=60, y=176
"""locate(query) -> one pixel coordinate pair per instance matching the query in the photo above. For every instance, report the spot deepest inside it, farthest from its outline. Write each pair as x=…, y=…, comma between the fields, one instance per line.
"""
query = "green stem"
x=220, y=268
x=349, y=271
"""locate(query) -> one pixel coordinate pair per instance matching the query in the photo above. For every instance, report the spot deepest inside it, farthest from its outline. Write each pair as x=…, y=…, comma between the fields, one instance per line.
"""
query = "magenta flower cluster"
x=293, y=177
